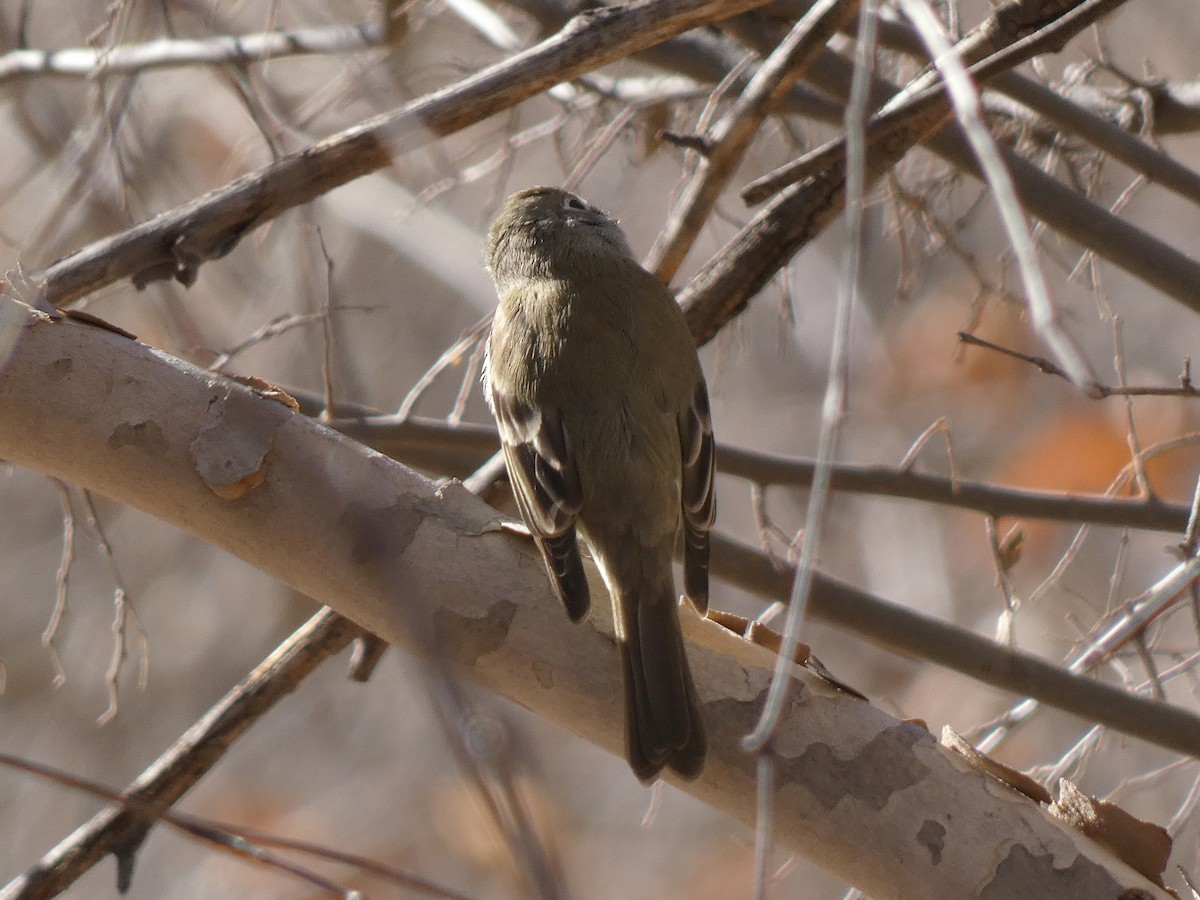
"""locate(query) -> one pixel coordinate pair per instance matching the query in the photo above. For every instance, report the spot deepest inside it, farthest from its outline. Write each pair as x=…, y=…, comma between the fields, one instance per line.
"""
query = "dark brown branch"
x=910, y=633
x=1075, y=116
x=246, y=843
x=176, y=243
x=992, y=500
x=726, y=284
x=802, y=210
x=1167, y=107
x=120, y=831
x=924, y=106
x=422, y=442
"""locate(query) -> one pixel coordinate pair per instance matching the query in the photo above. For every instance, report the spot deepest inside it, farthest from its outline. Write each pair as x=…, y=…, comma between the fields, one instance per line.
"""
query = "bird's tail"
x=663, y=724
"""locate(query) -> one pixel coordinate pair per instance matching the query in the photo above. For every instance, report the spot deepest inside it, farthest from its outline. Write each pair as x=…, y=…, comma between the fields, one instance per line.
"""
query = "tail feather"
x=663, y=724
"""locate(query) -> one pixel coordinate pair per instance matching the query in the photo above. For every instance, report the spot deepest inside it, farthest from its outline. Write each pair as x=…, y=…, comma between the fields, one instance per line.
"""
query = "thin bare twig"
x=726, y=142
x=723, y=286
x=470, y=378
x=764, y=803
x=1137, y=458
x=327, y=309
x=965, y=100
x=939, y=426
x=123, y=615
x=1006, y=630
x=221, y=50
x=766, y=528
x=598, y=146
x=1185, y=388
x=1110, y=634
x=1187, y=807
x=837, y=384
x=60, y=582
x=274, y=327
x=1075, y=115
x=242, y=842
x=450, y=357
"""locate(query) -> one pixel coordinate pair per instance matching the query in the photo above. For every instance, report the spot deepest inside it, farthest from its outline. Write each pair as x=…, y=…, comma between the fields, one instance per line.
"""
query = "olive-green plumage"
x=603, y=413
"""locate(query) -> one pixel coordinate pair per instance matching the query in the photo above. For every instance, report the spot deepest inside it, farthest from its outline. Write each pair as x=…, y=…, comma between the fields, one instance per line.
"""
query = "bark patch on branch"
x=230, y=449
x=884, y=766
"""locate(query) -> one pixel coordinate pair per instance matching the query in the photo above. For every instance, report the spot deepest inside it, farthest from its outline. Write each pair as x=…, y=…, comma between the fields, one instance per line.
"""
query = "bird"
x=603, y=412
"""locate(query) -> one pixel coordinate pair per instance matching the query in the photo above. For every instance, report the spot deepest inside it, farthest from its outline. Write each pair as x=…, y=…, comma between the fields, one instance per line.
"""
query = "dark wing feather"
x=545, y=482
x=699, y=501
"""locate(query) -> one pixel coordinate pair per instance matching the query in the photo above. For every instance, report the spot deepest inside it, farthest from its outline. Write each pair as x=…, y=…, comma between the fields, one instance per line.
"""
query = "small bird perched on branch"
x=603, y=413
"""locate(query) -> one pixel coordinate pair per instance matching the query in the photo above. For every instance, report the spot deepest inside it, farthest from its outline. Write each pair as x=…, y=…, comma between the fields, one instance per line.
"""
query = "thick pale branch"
x=891, y=625
x=429, y=567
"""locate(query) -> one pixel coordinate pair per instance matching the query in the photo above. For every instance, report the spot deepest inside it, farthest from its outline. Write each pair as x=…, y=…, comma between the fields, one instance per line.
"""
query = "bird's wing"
x=545, y=482
x=699, y=501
